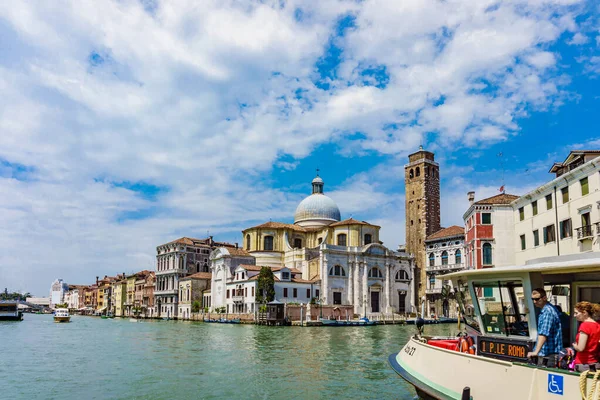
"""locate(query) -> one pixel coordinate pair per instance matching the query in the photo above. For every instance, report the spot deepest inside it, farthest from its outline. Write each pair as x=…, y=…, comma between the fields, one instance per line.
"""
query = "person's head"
x=585, y=310
x=538, y=296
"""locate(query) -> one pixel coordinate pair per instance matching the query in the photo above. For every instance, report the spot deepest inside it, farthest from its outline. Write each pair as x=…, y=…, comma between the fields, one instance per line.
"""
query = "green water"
x=93, y=358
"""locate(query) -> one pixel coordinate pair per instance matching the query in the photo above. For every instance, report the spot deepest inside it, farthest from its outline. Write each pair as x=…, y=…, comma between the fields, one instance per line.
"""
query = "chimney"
x=471, y=196
x=96, y=281
x=236, y=245
x=211, y=240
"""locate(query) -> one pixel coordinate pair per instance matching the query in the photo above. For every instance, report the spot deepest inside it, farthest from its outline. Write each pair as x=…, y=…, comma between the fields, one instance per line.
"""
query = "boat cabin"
x=498, y=311
x=9, y=311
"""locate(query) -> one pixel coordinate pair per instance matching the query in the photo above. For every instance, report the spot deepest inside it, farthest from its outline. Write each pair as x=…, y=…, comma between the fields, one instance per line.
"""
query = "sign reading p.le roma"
x=503, y=349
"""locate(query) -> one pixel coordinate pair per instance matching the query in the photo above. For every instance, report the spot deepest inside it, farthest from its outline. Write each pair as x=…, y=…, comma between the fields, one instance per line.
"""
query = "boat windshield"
x=502, y=313
x=466, y=305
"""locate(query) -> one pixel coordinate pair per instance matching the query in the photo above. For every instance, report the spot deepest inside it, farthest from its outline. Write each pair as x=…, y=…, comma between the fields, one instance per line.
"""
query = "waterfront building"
x=561, y=217
x=445, y=254
x=191, y=289
x=39, y=301
x=74, y=297
x=91, y=298
x=422, y=211
x=344, y=260
x=223, y=263
x=57, y=292
x=175, y=260
x=489, y=231
x=148, y=295
x=119, y=297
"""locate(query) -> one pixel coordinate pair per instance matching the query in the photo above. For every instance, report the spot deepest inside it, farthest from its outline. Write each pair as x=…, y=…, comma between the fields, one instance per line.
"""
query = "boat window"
x=466, y=305
x=502, y=313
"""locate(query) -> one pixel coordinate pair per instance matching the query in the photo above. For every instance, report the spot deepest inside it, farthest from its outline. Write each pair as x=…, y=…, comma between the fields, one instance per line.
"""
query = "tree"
x=196, y=306
x=266, y=286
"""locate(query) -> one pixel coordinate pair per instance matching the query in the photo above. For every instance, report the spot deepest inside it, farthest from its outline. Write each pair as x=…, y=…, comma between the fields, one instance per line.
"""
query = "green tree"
x=196, y=306
x=266, y=286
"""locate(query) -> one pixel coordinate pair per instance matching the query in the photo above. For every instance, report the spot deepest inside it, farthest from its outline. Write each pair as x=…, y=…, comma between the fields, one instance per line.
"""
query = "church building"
x=336, y=262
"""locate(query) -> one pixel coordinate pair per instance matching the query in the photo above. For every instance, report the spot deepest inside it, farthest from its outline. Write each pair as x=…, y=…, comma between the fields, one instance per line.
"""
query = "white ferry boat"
x=489, y=359
x=9, y=311
x=61, y=315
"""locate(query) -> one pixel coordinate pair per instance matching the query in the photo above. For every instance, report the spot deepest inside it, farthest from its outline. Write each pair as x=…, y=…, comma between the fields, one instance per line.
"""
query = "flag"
x=501, y=189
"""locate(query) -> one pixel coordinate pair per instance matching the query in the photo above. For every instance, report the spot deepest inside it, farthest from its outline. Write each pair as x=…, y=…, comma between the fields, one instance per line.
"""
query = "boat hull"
x=62, y=319
x=438, y=373
x=11, y=317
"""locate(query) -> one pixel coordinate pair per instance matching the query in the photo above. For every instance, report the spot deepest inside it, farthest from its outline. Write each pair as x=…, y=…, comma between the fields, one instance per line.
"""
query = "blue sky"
x=127, y=124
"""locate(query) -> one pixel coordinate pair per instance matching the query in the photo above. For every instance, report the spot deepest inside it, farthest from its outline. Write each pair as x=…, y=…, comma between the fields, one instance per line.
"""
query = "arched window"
x=268, y=243
x=247, y=242
x=205, y=267
x=368, y=238
x=375, y=273
x=411, y=174
x=402, y=275
x=418, y=171
x=180, y=262
x=320, y=240
x=297, y=243
x=198, y=267
x=458, y=257
x=487, y=254
x=337, y=271
x=431, y=259
x=445, y=258
x=341, y=239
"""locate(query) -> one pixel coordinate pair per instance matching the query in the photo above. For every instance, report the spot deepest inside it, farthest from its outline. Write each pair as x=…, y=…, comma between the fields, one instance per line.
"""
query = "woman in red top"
x=587, y=341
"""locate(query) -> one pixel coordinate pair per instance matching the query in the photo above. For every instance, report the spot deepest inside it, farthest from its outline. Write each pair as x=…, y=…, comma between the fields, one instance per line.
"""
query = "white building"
x=224, y=263
x=57, y=292
x=561, y=217
x=445, y=251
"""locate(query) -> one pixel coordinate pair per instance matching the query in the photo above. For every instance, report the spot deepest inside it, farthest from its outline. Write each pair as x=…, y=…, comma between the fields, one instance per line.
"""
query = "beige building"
x=561, y=217
x=119, y=296
x=191, y=289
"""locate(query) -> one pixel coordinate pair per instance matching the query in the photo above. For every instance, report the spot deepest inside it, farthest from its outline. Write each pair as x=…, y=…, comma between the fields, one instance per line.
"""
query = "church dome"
x=317, y=209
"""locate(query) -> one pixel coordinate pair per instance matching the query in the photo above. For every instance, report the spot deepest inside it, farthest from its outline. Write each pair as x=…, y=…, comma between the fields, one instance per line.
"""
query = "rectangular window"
x=227, y=293
x=549, y=234
x=536, y=237
x=521, y=214
x=565, y=194
x=317, y=293
x=522, y=242
x=308, y=293
x=501, y=311
x=245, y=292
x=252, y=291
x=285, y=275
x=585, y=189
x=486, y=218
x=534, y=207
x=488, y=292
x=565, y=228
x=295, y=292
x=549, y=202
x=284, y=292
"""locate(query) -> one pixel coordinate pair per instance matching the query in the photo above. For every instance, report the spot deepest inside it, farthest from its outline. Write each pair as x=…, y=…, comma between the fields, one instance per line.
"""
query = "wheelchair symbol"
x=555, y=384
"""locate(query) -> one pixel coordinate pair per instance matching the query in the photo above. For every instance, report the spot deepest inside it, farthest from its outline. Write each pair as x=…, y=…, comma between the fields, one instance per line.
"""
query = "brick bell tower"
x=422, y=186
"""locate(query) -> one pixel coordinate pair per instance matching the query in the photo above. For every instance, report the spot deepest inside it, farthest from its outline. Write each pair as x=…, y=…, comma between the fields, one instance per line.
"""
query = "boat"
x=62, y=315
x=133, y=320
x=432, y=321
x=352, y=322
x=223, y=320
x=489, y=357
x=9, y=311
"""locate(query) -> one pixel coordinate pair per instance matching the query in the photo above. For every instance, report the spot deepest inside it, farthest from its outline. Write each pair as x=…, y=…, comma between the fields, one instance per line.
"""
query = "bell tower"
x=422, y=208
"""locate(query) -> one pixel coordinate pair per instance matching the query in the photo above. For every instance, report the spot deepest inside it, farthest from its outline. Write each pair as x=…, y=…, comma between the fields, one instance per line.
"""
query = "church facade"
x=342, y=262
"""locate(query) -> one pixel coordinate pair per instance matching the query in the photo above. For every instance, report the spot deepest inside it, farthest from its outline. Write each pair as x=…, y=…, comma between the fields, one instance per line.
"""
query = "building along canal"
x=93, y=358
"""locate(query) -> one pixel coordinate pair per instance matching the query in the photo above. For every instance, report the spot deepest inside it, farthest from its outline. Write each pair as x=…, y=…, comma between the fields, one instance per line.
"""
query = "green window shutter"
x=584, y=186
x=488, y=292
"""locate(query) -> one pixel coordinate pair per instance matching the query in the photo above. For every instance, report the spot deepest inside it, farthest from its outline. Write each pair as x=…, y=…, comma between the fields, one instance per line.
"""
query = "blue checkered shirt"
x=549, y=326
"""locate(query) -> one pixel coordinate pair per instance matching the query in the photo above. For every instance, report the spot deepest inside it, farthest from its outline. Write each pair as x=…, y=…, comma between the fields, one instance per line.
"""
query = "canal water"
x=93, y=358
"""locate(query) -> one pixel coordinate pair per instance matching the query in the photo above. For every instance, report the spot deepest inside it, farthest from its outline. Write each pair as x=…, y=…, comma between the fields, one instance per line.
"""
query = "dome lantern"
x=317, y=209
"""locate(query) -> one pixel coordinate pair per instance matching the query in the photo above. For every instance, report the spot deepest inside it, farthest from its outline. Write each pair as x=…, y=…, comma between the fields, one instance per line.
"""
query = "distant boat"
x=352, y=322
x=224, y=321
x=62, y=315
x=166, y=318
x=133, y=320
x=9, y=311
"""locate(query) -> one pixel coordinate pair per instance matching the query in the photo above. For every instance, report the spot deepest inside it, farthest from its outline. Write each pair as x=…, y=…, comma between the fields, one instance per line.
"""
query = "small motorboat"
x=62, y=315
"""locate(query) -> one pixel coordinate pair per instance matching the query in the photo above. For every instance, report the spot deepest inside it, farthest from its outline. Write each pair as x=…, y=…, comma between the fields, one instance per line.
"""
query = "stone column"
x=365, y=287
x=388, y=270
x=324, y=278
x=356, y=279
x=350, y=283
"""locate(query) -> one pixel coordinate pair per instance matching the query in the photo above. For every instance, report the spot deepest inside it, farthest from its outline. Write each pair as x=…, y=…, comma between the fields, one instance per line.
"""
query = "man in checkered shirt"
x=549, y=341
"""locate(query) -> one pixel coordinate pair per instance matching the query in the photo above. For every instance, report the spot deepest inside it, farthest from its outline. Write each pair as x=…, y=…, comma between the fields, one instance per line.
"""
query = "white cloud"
x=204, y=100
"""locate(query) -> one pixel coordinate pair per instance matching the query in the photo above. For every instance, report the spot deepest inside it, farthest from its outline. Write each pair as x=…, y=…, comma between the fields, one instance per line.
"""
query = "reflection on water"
x=92, y=358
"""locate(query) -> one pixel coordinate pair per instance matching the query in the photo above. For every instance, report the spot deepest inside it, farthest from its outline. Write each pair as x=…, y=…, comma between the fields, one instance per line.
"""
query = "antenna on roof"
x=318, y=171
x=501, y=156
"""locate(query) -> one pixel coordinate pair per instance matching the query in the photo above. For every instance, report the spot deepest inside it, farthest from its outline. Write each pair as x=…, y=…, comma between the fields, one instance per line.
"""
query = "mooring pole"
x=466, y=393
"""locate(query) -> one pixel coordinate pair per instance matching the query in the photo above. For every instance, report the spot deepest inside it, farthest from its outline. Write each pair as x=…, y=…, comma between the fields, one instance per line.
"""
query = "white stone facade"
x=568, y=207
x=57, y=292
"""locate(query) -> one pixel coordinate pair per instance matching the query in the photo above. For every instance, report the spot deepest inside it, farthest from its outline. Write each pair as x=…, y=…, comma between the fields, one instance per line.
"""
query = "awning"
x=102, y=309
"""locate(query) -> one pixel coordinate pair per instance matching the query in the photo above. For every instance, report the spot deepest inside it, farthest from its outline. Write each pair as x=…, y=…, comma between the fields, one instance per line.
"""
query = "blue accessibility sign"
x=556, y=384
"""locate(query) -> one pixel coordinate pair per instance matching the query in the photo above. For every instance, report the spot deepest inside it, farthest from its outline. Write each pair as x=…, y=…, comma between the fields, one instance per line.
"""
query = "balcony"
x=446, y=267
x=237, y=299
x=171, y=272
x=584, y=232
x=165, y=292
x=433, y=291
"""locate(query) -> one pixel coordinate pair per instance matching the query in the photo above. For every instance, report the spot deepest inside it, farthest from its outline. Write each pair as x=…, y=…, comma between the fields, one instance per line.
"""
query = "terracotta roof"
x=279, y=225
x=298, y=280
x=239, y=252
x=255, y=277
x=198, y=242
x=498, y=199
x=351, y=221
x=250, y=267
x=199, y=275
x=453, y=230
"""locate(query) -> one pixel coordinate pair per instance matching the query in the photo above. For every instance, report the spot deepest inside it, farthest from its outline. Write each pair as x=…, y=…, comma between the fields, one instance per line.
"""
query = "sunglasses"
x=535, y=298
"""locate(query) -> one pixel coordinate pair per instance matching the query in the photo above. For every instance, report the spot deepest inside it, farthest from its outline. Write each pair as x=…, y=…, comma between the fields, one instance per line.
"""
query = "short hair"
x=541, y=291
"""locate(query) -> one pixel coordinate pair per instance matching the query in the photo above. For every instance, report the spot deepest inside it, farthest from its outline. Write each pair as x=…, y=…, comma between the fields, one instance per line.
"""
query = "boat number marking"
x=555, y=384
x=410, y=350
